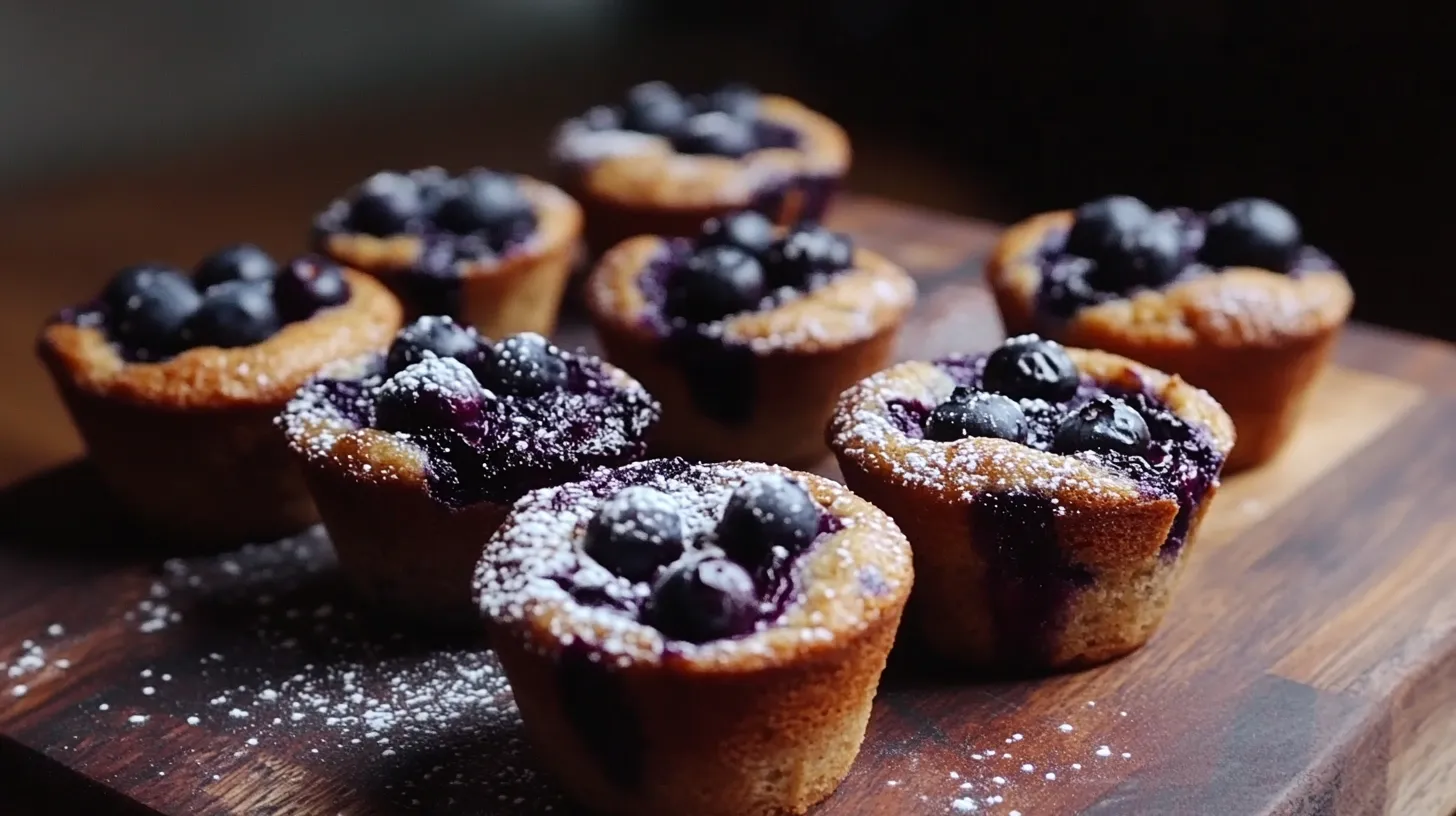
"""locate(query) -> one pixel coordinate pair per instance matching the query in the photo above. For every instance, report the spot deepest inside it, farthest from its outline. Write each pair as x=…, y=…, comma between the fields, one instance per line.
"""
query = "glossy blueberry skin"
x=1252, y=232
x=715, y=134
x=232, y=315
x=749, y=230
x=484, y=202
x=806, y=251
x=245, y=262
x=702, y=600
x=1101, y=225
x=439, y=335
x=147, y=307
x=655, y=107
x=1104, y=424
x=386, y=204
x=1031, y=368
x=767, y=511
x=716, y=281
x=524, y=365
x=736, y=99
x=307, y=284
x=438, y=393
x=635, y=533
x=1147, y=256
x=976, y=414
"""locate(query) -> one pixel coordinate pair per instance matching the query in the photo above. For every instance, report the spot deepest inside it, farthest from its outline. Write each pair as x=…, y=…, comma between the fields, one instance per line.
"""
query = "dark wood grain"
x=1308, y=665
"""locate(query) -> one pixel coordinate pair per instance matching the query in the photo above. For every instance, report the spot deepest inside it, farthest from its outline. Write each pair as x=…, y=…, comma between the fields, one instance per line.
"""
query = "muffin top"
x=727, y=567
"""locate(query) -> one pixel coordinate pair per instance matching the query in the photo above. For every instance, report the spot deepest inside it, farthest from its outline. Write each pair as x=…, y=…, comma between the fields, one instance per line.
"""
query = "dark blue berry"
x=233, y=314
x=767, y=511
x=244, y=262
x=1252, y=232
x=805, y=252
x=749, y=230
x=1105, y=424
x=436, y=335
x=715, y=134
x=1147, y=256
x=635, y=532
x=976, y=414
x=385, y=204
x=524, y=365
x=485, y=202
x=602, y=117
x=655, y=107
x=435, y=394
x=1100, y=225
x=147, y=307
x=1029, y=367
x=703, y=600
x=716, y=281
x=308, y=284
x=737, y=100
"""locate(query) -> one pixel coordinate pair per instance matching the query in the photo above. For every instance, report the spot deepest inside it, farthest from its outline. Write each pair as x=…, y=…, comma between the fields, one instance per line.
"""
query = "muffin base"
x=763, y=743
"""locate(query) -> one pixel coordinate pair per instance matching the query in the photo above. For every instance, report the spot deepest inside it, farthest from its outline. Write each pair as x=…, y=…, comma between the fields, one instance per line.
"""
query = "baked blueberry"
x=655, y=107
x=716, y=134
x=147, y=306
x=1147, y=255
x=385, y=204
x=749, y=230
x=245, y=262
x=976, y=413
x=1101, y=225
x=603, y=117
x=524, y=365
x=715, y=282
x=1105, y=424
x=437, y=393
x=437, y=335
x=1029, y=367
x=703, y=600
x=737, y=100
x=1252, y=232
x=635, y=532
x=806, y=251
x=306, y=284
x=232, y=314
x=767, y=511
x=486, y=202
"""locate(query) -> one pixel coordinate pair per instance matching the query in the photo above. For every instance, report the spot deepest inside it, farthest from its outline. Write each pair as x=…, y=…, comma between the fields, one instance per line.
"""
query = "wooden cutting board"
x=1308, y=664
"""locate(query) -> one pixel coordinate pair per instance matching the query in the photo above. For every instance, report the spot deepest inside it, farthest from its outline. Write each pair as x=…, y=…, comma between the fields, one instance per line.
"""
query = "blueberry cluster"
x=1118, y=244
x=718, y=587
x=438, y=370
x=1031, y=393
x=238, y=296
x=724, y=122
x=738, y=262
x=485, y=210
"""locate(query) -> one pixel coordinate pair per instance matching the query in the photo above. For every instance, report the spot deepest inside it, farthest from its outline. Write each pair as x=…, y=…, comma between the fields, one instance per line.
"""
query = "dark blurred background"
x=161, y=129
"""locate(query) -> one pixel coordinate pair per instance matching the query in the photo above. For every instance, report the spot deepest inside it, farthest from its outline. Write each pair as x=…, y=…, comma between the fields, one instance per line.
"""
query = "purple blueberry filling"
x=725, y=122
x=1117, y=245
x=473, y=217
x=737, y=264
x=1029, y=391
x=497, y=420
x=238, y=296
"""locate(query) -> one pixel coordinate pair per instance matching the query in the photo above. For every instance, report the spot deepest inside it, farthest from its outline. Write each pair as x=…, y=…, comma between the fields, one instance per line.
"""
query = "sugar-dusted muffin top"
x=1031, y=417
x=733, y=564
x=486, y=421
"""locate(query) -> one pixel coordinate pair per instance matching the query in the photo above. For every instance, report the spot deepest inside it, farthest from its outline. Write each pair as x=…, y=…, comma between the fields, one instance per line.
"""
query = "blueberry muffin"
x=173, y=383
x=414, y=456
x=747, y=333
x=492, y=250
x=661, y=163
x=1051, y=495
x=701, y=639
x=1232, y=300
